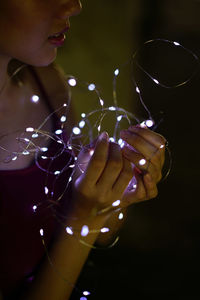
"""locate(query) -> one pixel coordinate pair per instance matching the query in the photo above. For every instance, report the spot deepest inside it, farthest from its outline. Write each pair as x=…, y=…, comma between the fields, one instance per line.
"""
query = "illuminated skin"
x=26, y=27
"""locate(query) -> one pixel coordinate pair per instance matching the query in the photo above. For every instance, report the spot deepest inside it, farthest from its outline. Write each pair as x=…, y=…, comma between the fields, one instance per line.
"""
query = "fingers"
x=112, y=168
x=157, y=140
x=98, y=160
x=124, y=177
x=146, y=150
x=143, y=164
x=146, y=189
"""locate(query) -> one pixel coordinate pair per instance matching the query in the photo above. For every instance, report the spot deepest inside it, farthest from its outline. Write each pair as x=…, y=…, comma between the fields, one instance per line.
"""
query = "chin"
x=42, y=60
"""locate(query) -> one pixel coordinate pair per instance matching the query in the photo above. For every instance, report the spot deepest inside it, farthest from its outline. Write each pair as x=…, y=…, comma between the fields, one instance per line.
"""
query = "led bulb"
x=72, y=82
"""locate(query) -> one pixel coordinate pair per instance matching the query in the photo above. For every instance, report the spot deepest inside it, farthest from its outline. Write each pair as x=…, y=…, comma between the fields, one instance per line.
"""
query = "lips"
x=59, y=37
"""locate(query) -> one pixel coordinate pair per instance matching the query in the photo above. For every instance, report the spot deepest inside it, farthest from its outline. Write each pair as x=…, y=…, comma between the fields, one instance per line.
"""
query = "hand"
x=100, y=179
x=145, y=149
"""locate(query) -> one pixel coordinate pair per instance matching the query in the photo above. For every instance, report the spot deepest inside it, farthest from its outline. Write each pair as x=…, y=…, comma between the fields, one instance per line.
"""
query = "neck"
x=3, y=71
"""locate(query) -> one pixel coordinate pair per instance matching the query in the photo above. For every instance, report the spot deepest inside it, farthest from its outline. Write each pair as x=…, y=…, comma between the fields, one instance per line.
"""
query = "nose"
x=69, y=8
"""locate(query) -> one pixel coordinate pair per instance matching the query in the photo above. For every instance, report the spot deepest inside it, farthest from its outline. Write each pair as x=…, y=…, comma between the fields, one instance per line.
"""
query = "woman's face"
x=27, y=27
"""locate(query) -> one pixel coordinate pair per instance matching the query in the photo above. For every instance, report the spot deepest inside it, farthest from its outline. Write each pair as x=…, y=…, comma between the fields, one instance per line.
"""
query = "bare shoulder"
x=55, y=84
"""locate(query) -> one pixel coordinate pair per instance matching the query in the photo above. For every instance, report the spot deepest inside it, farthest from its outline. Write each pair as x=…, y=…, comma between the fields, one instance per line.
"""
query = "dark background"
x=158, y=251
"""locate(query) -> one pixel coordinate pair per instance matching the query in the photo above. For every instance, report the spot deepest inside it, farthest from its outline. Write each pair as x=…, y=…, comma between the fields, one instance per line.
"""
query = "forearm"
x=68, y=256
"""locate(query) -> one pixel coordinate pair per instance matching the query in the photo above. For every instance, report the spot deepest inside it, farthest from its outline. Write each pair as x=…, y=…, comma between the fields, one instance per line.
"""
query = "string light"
x=72, y=82
x=91, y=87
x=70, y=147
x=86, y=293
x=34, y=208
x=84, y=230
x=58, y=131
x=121, y=216
x=35, y=98
x=76, y=130
x=104, y=230
x=116, y=203
x=142, y=162
x=69, y=230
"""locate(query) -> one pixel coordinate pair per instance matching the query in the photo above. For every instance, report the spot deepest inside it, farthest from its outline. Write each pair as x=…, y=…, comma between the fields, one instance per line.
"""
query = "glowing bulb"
x=83, y=298
x=82, y=124
x=116, y=203
x=58, y=131
x=71, y=166
x=65, y=104
x=134, y=186
x=111, y=139
x=35, y=98
x=29, y=129
x=44, y=157
x=63, y=119
x=26, y=140
x=41, y=232
x=14, y=158
x=69, y=230
x=25, y=152
x=101, y=102
x=84, y=230
x=72, y=82
x=76, y=130
x=35, y=135
x=143, y=124
x=162, y=146
x=142, y=162
x=119, y=118
x=70, y=179
x=46, y=190
x=116, y=72
x=83, y=115
x=56, y=172
x=86, y=293
x=34, y=208
x=91, y=152
x=176, y=43
x=149, y=123
x=105, y=229
x=44, y=149
x=91, y=87
x=112, y=108
x=120, y=141
x=137, y=90
x=156, y=81
x=121, y=216
x=99, y=128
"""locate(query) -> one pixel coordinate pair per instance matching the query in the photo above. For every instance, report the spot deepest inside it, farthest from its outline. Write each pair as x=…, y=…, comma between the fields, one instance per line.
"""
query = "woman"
x=32, y=31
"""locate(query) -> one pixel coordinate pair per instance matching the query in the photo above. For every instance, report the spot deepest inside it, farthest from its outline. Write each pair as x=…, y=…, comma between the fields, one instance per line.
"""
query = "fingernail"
x=104, y=136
